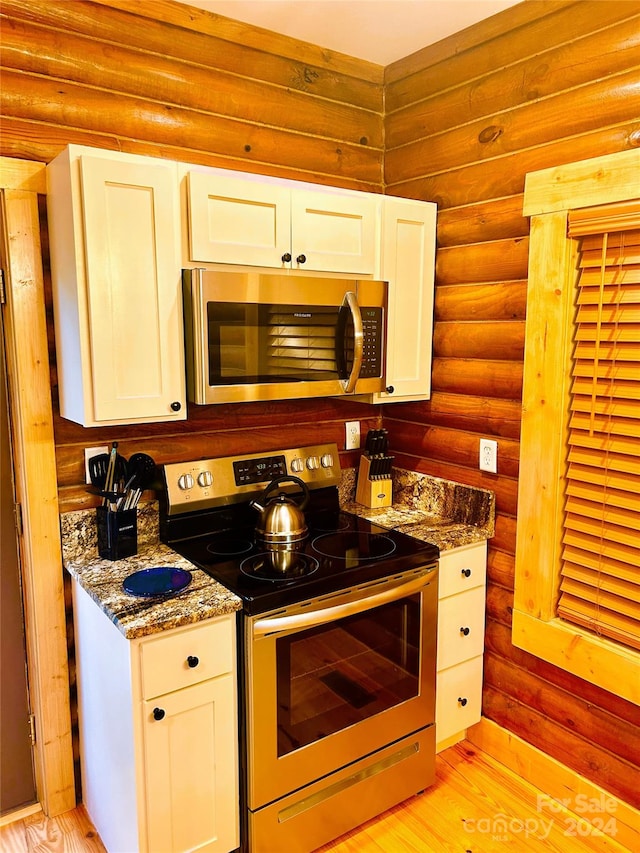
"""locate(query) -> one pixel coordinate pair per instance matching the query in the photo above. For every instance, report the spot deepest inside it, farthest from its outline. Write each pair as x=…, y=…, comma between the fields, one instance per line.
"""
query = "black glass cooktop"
x=340, y=551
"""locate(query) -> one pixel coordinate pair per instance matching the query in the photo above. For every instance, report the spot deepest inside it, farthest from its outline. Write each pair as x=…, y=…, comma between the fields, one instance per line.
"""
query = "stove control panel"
x=208, y=483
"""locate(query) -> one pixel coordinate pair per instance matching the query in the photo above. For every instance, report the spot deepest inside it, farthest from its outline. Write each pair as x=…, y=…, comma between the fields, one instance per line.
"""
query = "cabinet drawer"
x=458, y=698
x=461, y=627
x=463, y=568
x=170, y=662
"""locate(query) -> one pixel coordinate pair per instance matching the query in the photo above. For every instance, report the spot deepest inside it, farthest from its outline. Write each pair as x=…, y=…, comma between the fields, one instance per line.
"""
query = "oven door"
x=333, y=679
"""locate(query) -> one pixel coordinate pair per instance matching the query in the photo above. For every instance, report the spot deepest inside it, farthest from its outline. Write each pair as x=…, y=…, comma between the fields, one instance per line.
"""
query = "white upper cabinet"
x=115, y=262
x=257, y=221
x=407, y=263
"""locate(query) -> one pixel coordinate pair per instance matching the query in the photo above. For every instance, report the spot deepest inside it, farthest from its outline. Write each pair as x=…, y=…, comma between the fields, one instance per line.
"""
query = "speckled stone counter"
x=135, y=616
x=440, y=511
x=428, y=508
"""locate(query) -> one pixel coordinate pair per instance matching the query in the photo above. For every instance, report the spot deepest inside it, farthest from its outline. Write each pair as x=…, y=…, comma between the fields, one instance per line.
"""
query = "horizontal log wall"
x=202, y=89
x=466, y=120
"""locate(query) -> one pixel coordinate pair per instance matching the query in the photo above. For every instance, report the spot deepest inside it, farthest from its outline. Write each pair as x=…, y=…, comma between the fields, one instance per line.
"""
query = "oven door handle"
x=310, y=619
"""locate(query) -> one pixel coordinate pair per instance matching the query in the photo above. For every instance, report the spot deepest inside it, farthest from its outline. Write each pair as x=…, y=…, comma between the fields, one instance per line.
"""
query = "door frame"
x=34, y=458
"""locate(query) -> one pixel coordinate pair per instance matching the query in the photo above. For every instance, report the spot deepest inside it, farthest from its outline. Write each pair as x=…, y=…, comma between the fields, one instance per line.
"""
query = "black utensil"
x=142, y=468
x=98, y=466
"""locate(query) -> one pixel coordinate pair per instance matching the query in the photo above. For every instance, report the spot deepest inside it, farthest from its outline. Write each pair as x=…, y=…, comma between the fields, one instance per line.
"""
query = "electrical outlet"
x=352, y=435
x=489, y=455
x=88, y=453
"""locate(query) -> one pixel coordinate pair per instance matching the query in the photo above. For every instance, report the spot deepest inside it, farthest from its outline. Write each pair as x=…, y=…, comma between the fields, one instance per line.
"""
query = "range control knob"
x=205, y=479
x=326, y=460
x=313, y=463
x=297, y=465
x=185, y=481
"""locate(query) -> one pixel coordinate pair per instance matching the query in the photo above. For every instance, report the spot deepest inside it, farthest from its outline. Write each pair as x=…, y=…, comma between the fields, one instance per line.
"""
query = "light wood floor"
x=475, y=806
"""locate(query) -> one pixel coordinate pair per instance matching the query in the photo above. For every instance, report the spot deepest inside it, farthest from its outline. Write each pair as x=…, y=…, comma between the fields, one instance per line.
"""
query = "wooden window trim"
x=549, y=196
x=21, y=182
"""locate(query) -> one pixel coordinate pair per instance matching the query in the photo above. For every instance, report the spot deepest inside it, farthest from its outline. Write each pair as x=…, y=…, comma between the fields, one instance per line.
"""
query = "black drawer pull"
x=301, y=259
x=158, y=714
x=286, y=258
x=466, y=573
x=193, y=661
x=462, y=701
x=465, y=631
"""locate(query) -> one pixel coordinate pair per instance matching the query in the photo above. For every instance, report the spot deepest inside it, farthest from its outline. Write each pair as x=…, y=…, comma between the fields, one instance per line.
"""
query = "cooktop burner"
x=279, y=566
x=353, y=546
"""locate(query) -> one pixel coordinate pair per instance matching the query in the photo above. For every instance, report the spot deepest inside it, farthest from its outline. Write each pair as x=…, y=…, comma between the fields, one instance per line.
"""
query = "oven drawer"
x=185, y=657
x=460, y=627
x=458, y=698
x=462, y=569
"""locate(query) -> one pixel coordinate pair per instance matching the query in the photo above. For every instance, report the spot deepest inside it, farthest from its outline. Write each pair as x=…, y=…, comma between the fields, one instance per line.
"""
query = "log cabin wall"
x=201, y=89
x=541, y=84
x=465, y=121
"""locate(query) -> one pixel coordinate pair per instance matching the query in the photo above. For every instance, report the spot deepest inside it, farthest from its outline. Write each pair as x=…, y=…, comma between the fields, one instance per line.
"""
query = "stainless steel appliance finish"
x=260, y=336
x=337, y=654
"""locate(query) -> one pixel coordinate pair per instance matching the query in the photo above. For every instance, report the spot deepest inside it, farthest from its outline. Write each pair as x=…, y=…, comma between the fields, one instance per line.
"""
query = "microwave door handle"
x=351, y=300
x=310, y=619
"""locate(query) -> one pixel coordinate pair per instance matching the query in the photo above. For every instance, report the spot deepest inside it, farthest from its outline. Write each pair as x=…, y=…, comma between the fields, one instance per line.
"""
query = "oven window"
x=336, y=675
x=250, y=343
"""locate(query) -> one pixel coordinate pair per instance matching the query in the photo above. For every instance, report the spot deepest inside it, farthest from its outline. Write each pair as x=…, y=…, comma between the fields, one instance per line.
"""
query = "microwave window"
x=262, y=343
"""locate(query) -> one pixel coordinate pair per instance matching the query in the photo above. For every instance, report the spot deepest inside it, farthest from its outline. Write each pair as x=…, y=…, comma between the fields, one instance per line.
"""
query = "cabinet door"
x=461, y=627
x=333, y=232
x=408, y=258
x=458, y=698
x=133, y=290
x=191, y=775
x=236, y=221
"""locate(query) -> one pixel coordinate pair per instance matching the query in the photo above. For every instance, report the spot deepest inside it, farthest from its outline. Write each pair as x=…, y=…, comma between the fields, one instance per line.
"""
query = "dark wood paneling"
x=615, y=773
x=464, y=126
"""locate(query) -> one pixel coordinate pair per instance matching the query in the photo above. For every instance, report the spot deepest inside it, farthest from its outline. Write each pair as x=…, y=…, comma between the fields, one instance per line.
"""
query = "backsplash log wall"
x=465, y=121
x=540, y=84
x=200, y=89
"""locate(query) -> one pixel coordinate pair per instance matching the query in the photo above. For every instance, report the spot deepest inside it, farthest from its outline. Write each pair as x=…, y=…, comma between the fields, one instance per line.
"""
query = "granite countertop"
x=135, y=616
x=440, y=511
x=448, y=514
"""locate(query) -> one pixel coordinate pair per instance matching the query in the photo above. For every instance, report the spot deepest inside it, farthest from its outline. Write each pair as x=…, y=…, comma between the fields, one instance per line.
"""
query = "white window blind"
x=600, y=574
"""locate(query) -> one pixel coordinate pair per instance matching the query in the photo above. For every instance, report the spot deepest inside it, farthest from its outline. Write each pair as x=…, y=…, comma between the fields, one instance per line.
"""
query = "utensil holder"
x=117, y=533
x=372, y=493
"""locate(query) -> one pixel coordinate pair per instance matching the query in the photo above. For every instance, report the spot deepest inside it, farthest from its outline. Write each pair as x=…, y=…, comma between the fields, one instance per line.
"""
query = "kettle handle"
x=286, y=479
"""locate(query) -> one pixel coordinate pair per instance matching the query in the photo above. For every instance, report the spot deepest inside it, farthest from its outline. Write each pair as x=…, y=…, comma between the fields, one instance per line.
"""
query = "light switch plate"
x=88, y=453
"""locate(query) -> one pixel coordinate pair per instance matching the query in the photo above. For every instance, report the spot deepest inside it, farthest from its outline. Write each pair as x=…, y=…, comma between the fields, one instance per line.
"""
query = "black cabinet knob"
x=462, y=701
x=466, y=573
x=158, y=714
x=465, y=631
x=193, y=661
x=389, y=389
x=301, y=259
x=176, y=406
x=286, y=258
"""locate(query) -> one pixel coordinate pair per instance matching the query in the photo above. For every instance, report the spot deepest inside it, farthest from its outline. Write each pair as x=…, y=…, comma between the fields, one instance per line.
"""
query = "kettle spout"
x=256, y=505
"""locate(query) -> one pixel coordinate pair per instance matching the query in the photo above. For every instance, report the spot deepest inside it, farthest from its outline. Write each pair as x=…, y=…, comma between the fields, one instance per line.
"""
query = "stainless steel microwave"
x=269, y=336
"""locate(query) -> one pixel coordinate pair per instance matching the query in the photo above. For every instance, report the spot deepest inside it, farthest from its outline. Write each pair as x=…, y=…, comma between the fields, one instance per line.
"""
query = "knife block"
x=372, y=493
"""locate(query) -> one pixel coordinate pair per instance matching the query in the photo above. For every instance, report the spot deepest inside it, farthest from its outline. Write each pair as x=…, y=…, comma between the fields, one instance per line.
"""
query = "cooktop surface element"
x=207, y=516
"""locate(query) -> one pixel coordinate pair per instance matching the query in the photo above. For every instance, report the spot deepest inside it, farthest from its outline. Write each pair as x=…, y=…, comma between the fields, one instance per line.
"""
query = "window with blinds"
x=600, y=574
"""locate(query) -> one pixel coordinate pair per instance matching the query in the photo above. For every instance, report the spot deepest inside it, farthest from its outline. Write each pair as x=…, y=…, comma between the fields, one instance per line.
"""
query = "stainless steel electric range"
x=337, y=642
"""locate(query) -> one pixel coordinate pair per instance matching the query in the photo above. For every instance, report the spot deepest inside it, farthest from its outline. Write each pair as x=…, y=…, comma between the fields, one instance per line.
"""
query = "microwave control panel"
x=372, y=342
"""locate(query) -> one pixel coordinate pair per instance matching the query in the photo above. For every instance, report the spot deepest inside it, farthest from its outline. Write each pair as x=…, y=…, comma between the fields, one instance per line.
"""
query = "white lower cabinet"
x=158, y=734
x=461, y=620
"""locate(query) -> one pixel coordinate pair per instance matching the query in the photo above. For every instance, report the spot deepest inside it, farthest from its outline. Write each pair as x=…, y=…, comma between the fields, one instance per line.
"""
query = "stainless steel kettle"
x=282, y=523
